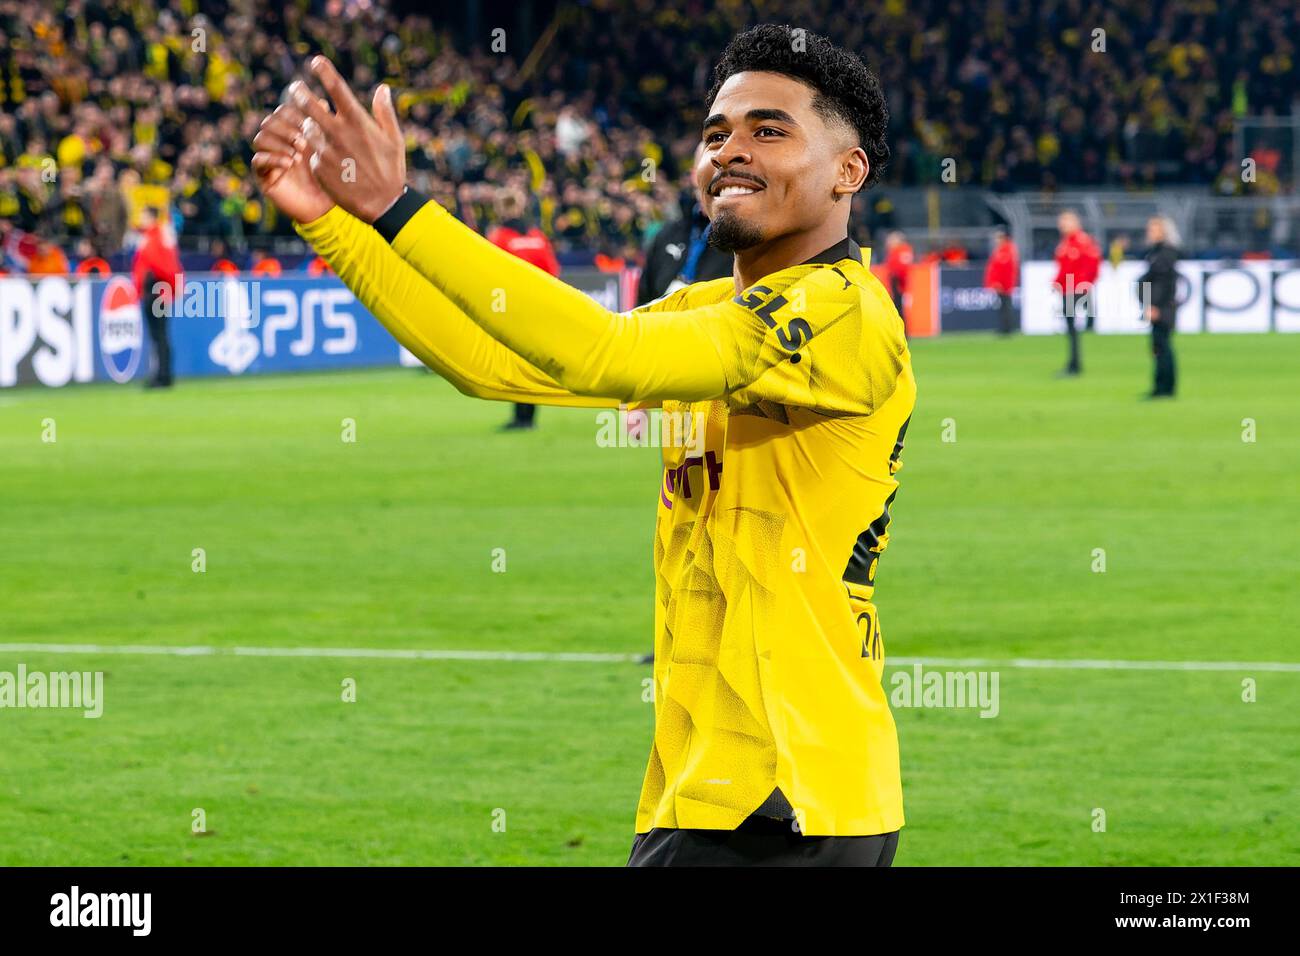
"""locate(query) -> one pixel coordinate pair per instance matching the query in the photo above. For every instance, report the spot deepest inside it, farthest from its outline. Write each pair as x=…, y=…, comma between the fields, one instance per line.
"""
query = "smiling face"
x=773, y=166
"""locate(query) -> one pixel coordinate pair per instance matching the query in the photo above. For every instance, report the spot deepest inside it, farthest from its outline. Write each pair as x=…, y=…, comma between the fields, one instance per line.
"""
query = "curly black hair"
x=844, y=86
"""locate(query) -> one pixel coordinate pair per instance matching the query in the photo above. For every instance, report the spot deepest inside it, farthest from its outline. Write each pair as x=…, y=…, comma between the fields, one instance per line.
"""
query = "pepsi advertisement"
x=58, y=330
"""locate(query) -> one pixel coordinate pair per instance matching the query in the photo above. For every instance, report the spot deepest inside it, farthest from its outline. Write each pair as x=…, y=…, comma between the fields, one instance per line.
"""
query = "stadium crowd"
x=108, y=107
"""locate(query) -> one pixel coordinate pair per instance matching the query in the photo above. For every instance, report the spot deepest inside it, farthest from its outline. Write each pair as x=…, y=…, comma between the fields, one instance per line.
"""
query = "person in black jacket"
x=1157, y=293
x=680, y=252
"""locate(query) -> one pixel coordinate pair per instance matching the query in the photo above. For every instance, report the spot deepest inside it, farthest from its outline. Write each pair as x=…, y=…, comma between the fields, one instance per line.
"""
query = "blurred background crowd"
x=589, y=112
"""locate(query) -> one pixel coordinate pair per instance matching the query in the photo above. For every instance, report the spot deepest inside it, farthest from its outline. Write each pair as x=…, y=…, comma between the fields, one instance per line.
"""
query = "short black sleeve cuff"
x=399, y=213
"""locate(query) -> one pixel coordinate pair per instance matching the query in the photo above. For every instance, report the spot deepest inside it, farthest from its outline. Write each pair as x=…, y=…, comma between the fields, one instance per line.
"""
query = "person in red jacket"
x=898, y=259
x=1078, y=260
x=156, y=272
x=1002, y=275
x=530, y=244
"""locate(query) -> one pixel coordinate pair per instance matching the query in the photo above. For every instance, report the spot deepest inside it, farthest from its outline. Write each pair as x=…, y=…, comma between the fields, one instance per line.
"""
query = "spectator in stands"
x=1078, y=260
x=67, y=215
x=1002, y=275
x=30, y=196
x=8, y=196
x=1158, y=291
x=48, y=260
x=156, y=271
x=571, y=133
x=82, y=83
x=106, y=209
x=529, y=243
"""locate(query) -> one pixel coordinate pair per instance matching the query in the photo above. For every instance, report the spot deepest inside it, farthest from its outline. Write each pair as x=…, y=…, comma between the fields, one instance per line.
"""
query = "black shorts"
x=759, y=842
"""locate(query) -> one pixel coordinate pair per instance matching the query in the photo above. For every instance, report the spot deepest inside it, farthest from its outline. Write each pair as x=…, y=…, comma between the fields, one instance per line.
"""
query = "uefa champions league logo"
x=236, y=347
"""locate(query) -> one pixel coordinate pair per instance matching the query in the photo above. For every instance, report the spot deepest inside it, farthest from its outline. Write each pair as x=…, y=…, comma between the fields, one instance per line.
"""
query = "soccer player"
x=774, y=742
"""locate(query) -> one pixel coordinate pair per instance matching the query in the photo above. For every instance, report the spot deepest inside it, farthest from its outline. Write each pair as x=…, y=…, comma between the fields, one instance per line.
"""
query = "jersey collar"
x=846, y=248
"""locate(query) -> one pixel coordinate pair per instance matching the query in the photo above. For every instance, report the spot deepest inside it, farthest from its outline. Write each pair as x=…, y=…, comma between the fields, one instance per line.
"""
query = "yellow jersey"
x=790, y=402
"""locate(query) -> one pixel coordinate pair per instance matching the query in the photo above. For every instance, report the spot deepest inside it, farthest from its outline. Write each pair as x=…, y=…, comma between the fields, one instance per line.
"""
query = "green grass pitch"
x=388, y=542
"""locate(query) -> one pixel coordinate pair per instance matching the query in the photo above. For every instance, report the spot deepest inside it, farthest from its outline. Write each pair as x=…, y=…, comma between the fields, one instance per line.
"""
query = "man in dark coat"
x=1157, y=291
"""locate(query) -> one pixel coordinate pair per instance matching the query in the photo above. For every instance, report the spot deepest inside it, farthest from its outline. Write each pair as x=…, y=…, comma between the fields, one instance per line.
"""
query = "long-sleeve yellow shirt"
x=772, y=510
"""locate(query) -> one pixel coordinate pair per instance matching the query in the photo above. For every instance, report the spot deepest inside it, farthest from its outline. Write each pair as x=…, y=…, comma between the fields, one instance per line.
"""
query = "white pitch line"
x=1099, y=665
x=161, y=650
x=435, y=655
x=150, y=649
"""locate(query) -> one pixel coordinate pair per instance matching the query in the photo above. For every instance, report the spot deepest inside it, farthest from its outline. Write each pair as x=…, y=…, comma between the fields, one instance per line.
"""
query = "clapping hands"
x=356, y=158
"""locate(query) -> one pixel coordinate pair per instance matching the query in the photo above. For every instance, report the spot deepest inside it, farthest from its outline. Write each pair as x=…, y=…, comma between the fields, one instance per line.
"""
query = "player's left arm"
x=806, y=336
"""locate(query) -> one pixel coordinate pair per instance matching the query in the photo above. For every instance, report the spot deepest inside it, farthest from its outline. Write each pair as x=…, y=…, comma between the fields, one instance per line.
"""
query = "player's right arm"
x=418, y=315
x=426, y=322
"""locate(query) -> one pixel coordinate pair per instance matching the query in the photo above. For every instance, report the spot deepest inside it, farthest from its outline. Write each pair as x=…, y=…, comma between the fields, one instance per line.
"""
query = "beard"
x=730, y=233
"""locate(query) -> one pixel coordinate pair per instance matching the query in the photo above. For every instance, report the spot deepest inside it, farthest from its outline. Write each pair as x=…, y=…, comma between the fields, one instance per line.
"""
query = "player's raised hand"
x=282, y=170
x=359, y=157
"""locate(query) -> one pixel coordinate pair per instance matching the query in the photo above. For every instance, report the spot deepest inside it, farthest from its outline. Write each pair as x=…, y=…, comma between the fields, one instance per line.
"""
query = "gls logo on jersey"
x=793, y=335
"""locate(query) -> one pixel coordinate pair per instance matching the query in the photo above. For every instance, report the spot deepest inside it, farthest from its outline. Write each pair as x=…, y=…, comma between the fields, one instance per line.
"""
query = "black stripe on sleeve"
x=399, y=214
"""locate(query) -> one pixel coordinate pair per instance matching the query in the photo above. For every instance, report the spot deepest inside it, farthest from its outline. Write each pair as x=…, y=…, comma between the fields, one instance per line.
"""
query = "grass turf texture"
x=388, y=543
